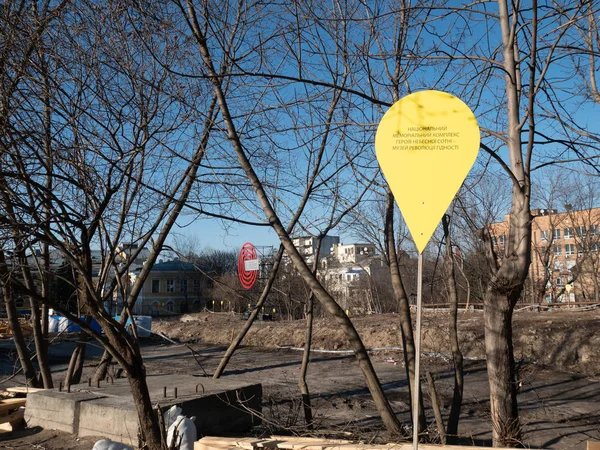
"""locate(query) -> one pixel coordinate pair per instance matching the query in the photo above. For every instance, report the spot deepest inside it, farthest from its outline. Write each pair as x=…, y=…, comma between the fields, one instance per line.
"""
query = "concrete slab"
x=56, y=410
x=220, y=406
x=110, y=417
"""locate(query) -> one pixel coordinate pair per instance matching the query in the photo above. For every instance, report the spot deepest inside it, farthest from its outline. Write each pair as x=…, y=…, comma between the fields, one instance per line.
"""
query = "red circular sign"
x=247, y=277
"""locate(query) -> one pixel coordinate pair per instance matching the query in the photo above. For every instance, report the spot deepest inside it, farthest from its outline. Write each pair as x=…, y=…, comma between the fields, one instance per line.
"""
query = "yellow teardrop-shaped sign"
x=426, y=143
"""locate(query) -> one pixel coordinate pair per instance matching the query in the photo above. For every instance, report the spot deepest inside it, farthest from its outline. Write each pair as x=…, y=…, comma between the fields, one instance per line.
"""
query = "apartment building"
x=353, y=253
x=307, y=246
x=565, y=254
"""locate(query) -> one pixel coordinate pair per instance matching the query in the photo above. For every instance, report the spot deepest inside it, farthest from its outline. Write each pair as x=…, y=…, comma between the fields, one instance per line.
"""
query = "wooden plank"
x=11, y=403
x=297, y=443
x=22, y=389
x=13, y=417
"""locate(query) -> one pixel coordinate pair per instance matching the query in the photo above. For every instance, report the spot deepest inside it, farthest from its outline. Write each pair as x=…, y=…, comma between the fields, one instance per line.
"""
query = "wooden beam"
x=13, y=421
x=11, y=403
x=22, y=390
x=297, y=443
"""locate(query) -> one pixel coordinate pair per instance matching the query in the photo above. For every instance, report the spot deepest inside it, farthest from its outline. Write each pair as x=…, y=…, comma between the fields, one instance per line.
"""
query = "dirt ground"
x=561, y=339
x=558, y=365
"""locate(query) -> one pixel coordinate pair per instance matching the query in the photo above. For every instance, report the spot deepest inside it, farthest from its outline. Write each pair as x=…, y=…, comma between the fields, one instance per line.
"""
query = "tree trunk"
x=149, y=429
x=69, y=375
x=304, y=392
x=387, y=414
x=506, y=284
x=457, y=395
x=102, y=369
x=240, y=336
x=73, y=375
x=40, y=344
x=302, y=384
x=406, y=328
x=15, y=327
x=21, y=346
x=435, y=405
x=501, y=370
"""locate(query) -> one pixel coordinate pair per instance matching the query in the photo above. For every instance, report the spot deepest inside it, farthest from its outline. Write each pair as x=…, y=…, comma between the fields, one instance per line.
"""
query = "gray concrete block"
x=220, y=406
x=56, y=410
x=112, y=418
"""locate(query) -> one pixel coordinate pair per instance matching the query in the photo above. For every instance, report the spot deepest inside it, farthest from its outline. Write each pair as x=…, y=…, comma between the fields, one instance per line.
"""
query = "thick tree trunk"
x=506, y=284
x=501, y=370
x=149, y=428
x=125, y=349
x=406, y=328
x=457, y=356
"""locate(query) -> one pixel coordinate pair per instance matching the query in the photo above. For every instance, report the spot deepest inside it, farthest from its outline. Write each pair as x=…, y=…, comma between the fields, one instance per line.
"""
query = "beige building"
x=172, y=287
x=565, y=259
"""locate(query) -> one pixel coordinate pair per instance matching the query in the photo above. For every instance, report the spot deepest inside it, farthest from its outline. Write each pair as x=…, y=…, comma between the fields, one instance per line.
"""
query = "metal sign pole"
x=417, y=355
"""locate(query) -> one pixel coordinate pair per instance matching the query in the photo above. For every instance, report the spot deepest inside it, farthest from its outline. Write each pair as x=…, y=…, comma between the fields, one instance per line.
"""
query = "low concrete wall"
x=56, y=410
x=220, y=406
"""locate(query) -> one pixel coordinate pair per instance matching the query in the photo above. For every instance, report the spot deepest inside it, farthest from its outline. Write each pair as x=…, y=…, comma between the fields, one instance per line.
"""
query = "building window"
x=593, y=230
x=155, y=286
x=560, y=281
x=556, y=233
x=183, y=285
x=559, y=266
x=569, y=249
x=494, y=240
x=170, y=306
x=544, y=235
x=594, y=246
x=570, y=265
x=568, y=233
x=580, y=231
x=196, y=285
x=557, y=249
x=170, y=285
x=502, y=240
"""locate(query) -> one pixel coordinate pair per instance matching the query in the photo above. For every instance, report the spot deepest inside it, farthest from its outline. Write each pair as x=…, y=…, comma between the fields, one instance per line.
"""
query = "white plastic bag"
x=107, y=444
x=182, y=433
x=171, y=415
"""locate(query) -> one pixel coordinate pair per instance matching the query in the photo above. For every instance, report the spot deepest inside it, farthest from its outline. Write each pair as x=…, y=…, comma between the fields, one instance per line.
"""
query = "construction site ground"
x=558, y=354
